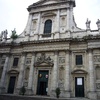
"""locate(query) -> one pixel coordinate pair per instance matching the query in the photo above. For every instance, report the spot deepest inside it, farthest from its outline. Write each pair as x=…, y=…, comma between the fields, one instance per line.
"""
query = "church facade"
x=52, y=52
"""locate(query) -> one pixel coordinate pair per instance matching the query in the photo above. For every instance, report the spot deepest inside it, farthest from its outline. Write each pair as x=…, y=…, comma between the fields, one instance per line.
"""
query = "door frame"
x=79, y=85
x=41, y=81
x=9, y=83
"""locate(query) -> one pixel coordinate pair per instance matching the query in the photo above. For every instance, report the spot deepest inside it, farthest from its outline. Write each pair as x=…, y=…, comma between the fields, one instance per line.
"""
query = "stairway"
x=19, y=97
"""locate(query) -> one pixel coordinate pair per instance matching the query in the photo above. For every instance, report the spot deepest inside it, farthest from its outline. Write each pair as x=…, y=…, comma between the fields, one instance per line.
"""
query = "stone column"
x=30, y=81
x=67, y=75
x=92, y=92
x=21, y=74
x=57, y=25
x=3, y=77
x=55, y=74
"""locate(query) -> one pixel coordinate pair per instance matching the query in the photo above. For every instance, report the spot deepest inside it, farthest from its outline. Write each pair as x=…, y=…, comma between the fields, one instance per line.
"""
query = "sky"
x=14, y=14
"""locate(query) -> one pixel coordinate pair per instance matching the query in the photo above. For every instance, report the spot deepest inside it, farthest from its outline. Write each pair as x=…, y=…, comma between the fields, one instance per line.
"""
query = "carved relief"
x=97, y=58
x=98, y=73
x=44, y=59
x=28, y=61
x=61, y=60
x=97, y=85
x=61, y=85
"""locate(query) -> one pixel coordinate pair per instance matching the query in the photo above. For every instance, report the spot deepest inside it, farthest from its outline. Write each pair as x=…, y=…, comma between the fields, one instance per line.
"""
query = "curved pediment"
x=79, y=72
x=13, y=72
x=43, y=61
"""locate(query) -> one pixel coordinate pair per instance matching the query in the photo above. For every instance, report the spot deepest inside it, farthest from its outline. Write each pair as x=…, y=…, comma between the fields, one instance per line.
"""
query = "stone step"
x=19, y=97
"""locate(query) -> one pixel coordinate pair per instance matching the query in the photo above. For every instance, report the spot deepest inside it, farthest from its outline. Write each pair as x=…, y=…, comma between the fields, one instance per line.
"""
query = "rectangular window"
x=15, y=62
x=79, y=60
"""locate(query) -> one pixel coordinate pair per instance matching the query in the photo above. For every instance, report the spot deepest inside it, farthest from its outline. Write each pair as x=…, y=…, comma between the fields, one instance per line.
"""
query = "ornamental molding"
x=79, y=71
x=44, y=61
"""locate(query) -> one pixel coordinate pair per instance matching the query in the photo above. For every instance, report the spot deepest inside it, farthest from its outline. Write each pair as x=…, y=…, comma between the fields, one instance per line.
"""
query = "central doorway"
x=42, y=86
x=11, y=84
x=79, y=86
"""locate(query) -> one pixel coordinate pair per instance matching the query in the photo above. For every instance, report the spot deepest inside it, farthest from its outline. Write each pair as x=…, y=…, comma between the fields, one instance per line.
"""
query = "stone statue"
x=88, y=24
x=5, y=34
x=1, y=35
x=98, y=24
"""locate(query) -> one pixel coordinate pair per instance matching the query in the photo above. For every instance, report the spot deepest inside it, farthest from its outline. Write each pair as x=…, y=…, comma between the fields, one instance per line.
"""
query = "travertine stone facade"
x=52, y=52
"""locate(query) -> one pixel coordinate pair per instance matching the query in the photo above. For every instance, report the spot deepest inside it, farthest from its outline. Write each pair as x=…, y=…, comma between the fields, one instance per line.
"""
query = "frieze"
x=46, y=48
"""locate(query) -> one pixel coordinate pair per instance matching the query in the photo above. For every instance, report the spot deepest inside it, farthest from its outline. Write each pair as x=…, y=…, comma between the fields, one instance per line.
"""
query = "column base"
x=92, y=95
x=29, y=92
x=2, y=90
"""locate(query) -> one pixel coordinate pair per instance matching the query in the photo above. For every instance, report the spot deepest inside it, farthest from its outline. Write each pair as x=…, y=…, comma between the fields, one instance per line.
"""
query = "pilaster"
x=92, y=93
x=3, y=77
x=55, y=74
x=58, y=25
x=30, y=81
x=21, y=74
x=67, y=75
x=28, y=27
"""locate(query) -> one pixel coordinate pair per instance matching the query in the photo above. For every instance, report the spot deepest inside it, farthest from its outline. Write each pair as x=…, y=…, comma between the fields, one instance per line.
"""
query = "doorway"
x=79, y=86
x=42, y=86
x=11, y=84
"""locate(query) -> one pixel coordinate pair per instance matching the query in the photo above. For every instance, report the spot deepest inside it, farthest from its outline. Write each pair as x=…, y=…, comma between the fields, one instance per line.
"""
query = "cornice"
x=44, y=6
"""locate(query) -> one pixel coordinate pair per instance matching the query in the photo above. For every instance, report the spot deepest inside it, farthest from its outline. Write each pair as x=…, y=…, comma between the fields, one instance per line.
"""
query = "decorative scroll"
x=44, y=59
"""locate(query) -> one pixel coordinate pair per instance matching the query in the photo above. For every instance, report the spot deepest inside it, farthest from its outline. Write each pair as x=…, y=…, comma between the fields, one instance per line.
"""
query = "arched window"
x=48, y=26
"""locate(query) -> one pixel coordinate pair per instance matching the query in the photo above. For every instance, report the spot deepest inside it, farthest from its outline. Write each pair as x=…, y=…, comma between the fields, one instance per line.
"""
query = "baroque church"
x=52, y=52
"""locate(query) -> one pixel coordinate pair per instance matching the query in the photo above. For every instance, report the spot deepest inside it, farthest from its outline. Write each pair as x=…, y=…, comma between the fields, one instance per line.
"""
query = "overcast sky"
x=13, y=14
